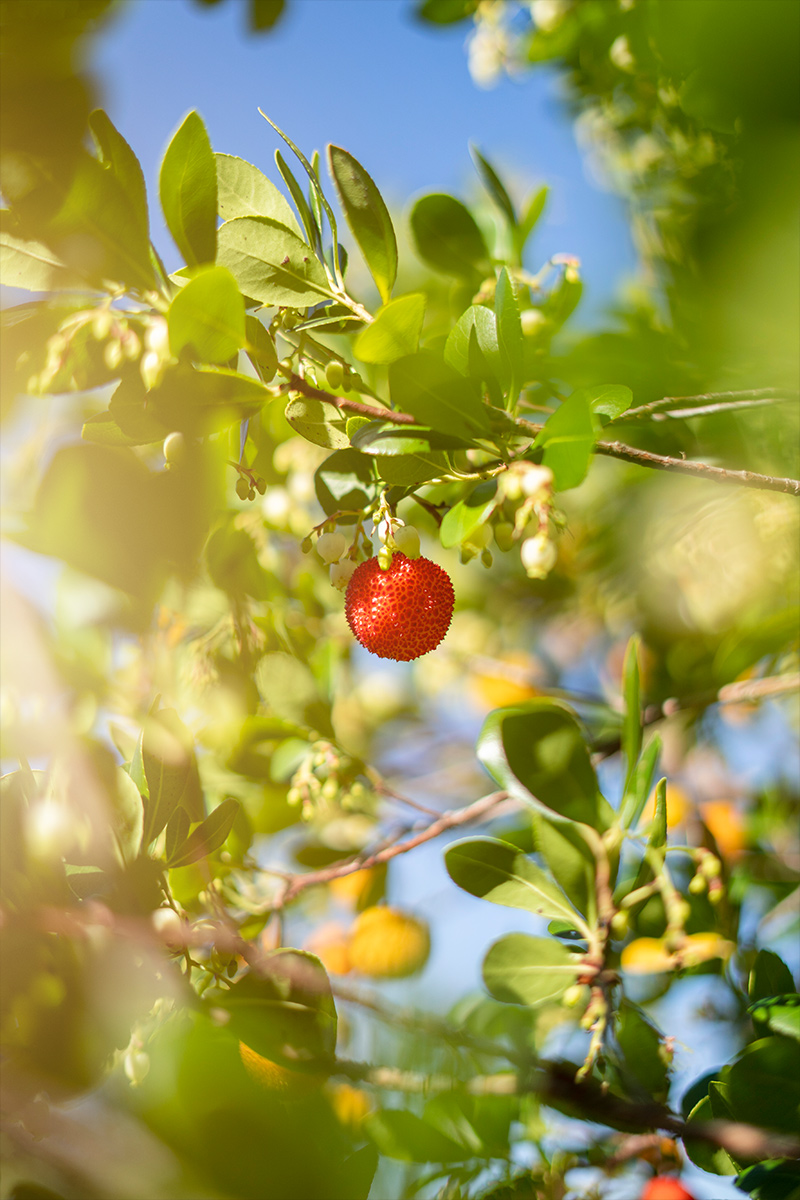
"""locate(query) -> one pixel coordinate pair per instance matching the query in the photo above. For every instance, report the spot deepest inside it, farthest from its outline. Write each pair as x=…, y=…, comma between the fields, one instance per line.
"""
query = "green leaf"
x=260, y=349
x=763, y=1084
x=296, y=192
x=346, y=480
x=497, y=871
x=609, y=400
x=187, y=186
x=472, y=347
x=773, y=1179
x=509, y=334
x=201, y=400
x=176, y=833
x=638, y=790
x=569, y=860
x=528, y=970
x=207, y=317
x=244, y=191
x=167, y=750
x=468, y=514
x=407, y=469
x=31, y=265
x=632, y=727
x=494, y=185
x=271, y=264
x=709, y=1158
x=643, y=1049
x=447, y=238
x=395, y=331
x=537, y=752
x=445, y=12
x=531, y=215
x=207, y=837
x=779, y=1014
x=127, y=816
x=769, y=977
x=402, y=1135
x=369, y=221
x=657, y=838
x=319, y=423
x=102, y=430
x=116, y=154
x=376, y=437
x=423, y=384
x=568, y=440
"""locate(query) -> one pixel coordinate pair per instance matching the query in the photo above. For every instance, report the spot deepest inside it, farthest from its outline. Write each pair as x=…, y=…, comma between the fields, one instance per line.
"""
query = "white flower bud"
x=331, y=547
x=406, y=539
x=537, y=480
x=538, y=556
x=341, y=573
x=137, y=1065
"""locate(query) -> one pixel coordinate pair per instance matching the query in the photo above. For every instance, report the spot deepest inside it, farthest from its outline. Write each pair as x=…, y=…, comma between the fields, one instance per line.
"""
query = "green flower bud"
x=242, y=488
x=334, y=374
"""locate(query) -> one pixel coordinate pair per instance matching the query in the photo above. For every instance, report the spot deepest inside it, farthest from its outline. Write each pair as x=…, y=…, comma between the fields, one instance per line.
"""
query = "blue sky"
x=362, y=74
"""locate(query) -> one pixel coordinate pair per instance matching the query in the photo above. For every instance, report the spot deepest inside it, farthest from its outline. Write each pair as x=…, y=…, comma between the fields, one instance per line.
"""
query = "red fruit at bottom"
x=665, y=1187
x=400, y=613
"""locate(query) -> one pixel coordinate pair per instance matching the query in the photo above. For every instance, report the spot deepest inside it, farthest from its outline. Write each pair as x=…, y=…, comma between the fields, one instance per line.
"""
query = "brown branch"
x=705, y=410
x=355, y=406
x=448, y=820
x=708, y=398
x=685, y=466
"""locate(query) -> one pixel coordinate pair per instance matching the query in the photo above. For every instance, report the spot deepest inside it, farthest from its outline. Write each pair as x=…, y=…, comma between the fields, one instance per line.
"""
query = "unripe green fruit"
x=619, y=924
x=251, y=495
x=334, y=373
x=242, y=488
x=175, y=448
x=481, y=536
x=504, y=535
x=572, y=996
x=289, y=319
x=697, y=885
x=261, y=486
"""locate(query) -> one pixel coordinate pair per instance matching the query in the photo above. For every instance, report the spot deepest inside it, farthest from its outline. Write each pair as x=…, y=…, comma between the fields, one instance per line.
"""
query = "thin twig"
x=448, y=820
x=644, y=410
x=706, y=410
x=685, y=466
x=355, y=406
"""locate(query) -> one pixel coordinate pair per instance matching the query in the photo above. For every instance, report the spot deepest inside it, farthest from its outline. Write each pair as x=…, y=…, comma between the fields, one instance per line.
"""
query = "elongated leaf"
x=177, y=832
x=569, y=860
x=260, y=349
x=244, y=191
x=376, y=437
x=207, y=837
x=395, y=331
x=271, y=264
x=779, y=1014
x=166, y=758
x=527, y=970
x=709, y=1158
x=496, y=871
x=424, y=385
x=207, y=317
x=310, y=225
x=447, y=237
x=568, y=440
x=770, y=976
x=658, y=828
x=31, y=265
x=609, y=400
x=635, y=797
x=532, y=213
x=404, y=1136
x=494, y=185
x=468, y=514
x=188, y=189
x=509, y=334
x=632, y=727
x=313, y=195
x=116, y=154
x=319, y=423
x=369, y=220
x=472, y=347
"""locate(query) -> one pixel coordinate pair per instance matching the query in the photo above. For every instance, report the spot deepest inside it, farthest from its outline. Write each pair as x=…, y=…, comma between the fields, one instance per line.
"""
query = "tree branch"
x=685, y=466
x=644, y=410
x=355, y=406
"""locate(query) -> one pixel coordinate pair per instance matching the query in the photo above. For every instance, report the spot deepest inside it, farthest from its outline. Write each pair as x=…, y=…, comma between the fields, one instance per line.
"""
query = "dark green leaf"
x=773, y=1179
x=377, y=437
x=445, y=12
x=369, y=221
x=116, y=154
x=244, y=191
x=509, y=334
x=496, y=871
x=166, y=754
x=568, y=439
x=271, y=264
x=643, y=1050
x=494, y=185
x=769, y=977
x=319, y=423
x=632, y=727
x=395, y=331
x=188, y=189
x=447, y=237
x=472, y=347
x=207, y=317
x=207, y=837
x=346, y=480
x=424, y=385
x=709, y=1158
x=468, y=514
x=779, y=1014
x=402, y=1135
x=310, y=225
x=527, y=970
x=763, y=1084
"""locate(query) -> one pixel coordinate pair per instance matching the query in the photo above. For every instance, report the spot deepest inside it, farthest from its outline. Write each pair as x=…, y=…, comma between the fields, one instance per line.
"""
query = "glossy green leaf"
x=119, y=158
x=773, y=1179
x=494, y=185
x=402, y=1135
x=519, y=969
x=472, y=347
x=468, y=514
x=166, y=756
x=763, y=1084
x=632, y=726
x=187, y=186
x=423, y=384
x=537, y=752
x=509, y=334
x=609, y=400
x=369, y=221
x=207, y=837
x=769, y=976
x=779, y=1014
x=643, y=1049
x=496, y=871
x=200, y=400
x=567, y=440
x=709, y=1158
x=31, y=265
x=271, y=264
x=260, y=349
x=319, y=423
x=569, y=860
x=532, y=213
x=395, y=331
x=639, y=787
x=447, y=238
x=346, y=480
x=244, y=191
x=206, y=317
x=377, y=437
x=310, y=225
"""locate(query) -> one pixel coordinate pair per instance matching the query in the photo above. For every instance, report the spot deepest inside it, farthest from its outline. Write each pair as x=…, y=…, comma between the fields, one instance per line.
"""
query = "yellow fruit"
x=679, y=805
x=388, y=944
x=351, y=1104
x=286, y=1084
x=724, y=821
x=354, y=889
x=507, y=683
x=700, y=947
x=647, y=956
x=331, y=944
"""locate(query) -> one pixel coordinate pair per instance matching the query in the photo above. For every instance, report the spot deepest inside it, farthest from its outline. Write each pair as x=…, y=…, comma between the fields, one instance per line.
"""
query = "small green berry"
x=242, y=488
x=334, y=374
x=251, y=493
x=261, y=486
x=175, y=448
x=504, y=535
x=619, y=924
x=697, y=885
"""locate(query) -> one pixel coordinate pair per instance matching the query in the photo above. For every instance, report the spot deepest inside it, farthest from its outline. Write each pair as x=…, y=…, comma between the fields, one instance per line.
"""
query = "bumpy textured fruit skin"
x=400, y=613
x=665, y=1187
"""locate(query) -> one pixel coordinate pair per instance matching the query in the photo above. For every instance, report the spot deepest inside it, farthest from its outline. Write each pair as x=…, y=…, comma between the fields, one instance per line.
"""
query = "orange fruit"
x=726, y=825
x=386, y=943
x=679, y=805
